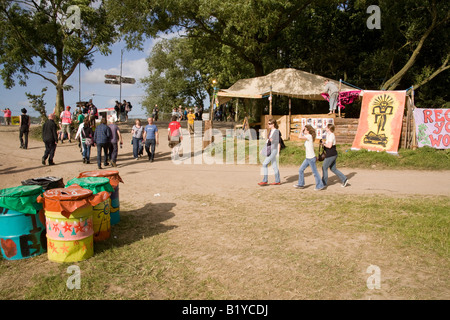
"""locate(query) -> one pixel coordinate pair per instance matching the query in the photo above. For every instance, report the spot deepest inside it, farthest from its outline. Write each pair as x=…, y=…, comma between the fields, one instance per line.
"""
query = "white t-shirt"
x=331, y=138
x=309, y=147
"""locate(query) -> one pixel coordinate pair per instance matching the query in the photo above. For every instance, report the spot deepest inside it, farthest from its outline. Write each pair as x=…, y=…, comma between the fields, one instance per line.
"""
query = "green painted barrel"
x=22, y=230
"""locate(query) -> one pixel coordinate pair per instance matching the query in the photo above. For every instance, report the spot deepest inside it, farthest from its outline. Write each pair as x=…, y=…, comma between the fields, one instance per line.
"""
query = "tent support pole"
x=270, y=101
x=289, y=121
x=236, y=113
x=339, y=97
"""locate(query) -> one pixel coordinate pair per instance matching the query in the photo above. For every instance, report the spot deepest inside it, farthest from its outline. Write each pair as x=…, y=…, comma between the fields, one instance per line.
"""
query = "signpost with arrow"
x=115, y=79
x=118, y=79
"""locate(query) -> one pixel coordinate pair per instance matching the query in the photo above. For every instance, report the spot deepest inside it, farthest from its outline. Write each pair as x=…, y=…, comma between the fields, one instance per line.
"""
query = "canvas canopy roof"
x=287, y=82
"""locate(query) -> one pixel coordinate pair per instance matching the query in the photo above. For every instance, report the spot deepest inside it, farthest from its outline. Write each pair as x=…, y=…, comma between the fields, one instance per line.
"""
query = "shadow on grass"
x=138, y=224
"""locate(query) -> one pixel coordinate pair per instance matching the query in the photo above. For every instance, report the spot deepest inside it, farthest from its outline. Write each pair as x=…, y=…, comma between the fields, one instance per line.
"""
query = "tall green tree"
x=50, y=38
x=172, y=80
x=325, y=37
x=415, y=25
x=248, y=27
x=182, y=70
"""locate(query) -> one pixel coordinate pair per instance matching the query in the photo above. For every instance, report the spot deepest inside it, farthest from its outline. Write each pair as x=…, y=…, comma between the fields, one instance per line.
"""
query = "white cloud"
x=98, y=75
x=137, y=69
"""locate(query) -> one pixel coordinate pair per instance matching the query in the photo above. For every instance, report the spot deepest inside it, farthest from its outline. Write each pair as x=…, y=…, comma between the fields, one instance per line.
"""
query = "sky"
x=92, y=86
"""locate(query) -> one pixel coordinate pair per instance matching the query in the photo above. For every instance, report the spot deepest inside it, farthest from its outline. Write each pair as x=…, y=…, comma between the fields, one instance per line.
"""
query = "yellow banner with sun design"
x=380, y=122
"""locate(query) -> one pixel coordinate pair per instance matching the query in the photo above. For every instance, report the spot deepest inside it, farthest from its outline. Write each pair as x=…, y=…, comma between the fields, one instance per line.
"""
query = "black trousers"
x=113, y=151
x=50, y=148
x=23, y=134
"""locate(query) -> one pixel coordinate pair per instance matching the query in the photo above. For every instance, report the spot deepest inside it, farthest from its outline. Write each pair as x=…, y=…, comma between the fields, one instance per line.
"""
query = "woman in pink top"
x=7, y=116
x=66, y=120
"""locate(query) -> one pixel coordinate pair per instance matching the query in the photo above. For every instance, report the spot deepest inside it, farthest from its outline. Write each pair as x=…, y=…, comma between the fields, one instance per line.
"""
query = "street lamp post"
x=211, y=111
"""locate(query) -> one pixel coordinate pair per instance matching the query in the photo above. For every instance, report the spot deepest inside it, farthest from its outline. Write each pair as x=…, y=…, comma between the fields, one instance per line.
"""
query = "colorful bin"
x=22, y=231
x=69, y=223
x=114, y=179
x=101, y=212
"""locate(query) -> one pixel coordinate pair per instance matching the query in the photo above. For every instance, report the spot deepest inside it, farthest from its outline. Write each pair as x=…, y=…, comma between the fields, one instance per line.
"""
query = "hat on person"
x=68, y=107
x=23, y=110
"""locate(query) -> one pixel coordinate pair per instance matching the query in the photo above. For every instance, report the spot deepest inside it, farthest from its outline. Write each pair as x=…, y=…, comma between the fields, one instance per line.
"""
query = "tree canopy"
x=327, y=37
x=50, y=38
x=228, y=40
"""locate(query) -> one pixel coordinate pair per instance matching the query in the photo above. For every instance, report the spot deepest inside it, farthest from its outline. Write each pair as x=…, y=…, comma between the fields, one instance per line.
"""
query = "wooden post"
x=270, y=101
x=414, y=142
x=236, y=112
x=408, y=104
x=289, y=121
x=211, y=108
x=339, y=97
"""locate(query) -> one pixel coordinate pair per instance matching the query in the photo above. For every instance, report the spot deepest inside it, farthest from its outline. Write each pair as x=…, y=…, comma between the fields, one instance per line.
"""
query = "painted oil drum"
x=101, y=211
x=102, y=220
x=70, y=239
x=22, y=233
x=70, y=231
x=115, y=206
x=114, y=179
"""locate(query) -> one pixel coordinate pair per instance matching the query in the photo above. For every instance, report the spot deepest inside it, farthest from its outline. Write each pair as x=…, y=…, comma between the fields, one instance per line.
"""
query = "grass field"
x=420, y=159
x=250, y=251
x=293, y=246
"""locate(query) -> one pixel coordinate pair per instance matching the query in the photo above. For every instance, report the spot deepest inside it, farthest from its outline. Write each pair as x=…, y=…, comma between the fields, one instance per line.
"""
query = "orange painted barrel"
x=69, y=223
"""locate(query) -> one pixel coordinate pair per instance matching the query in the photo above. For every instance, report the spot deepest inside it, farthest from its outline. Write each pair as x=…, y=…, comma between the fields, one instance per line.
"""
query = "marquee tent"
x=286, y=82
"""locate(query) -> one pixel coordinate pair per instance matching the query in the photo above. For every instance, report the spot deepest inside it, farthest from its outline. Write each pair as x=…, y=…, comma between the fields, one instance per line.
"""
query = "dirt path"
x=163, y=176
x=216, y=217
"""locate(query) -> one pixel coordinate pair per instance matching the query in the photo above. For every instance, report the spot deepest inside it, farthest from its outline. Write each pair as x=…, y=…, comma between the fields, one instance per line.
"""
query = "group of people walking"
x=148, y=137
x=105, y=137
x=145, y=137
x=272, y=149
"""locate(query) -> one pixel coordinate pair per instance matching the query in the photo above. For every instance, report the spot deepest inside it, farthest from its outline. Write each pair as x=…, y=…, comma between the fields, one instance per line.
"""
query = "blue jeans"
x=150, y=144
x=331, y=163
x=273, y=160
x=105, y=147
x=136, y=142
x=301, y=177
x=86, y=151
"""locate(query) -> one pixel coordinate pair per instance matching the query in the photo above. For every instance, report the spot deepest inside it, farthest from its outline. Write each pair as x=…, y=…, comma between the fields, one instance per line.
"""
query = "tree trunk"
x=59, y=106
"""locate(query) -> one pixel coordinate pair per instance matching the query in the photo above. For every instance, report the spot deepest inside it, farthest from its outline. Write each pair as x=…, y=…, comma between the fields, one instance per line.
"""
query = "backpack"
x=87, y=140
